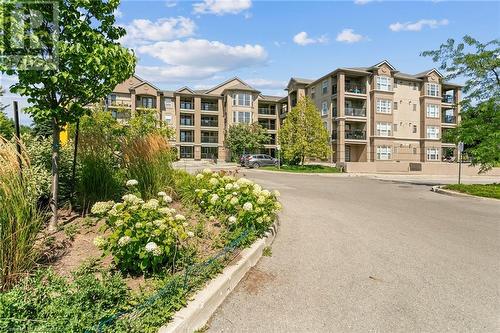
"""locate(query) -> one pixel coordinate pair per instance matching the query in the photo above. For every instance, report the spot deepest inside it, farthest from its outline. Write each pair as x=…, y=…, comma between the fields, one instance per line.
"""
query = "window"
x=414, y=150
x=112, y=99
x=414, y=128
x=168, y=118
x=395, y=105
x=432, y=89
x=324, y=108
x=242, y=117
x=395, y=127
x=210, y=137
x=146, y=102
x=209, y=121
x=187, y=120
x=432, y=132
x=383, y=83
x=209, y=152
x=324, y=87
x=432, y=111
x=168, y=103
x=186, y=151
x=242, y=99
x=383, y=106
x=432, y=154
x=384, y=129
x=187, y=136
x=414, y=107
x=313, y=92
x=325, y=125
x=384, y=153
x=414, y=86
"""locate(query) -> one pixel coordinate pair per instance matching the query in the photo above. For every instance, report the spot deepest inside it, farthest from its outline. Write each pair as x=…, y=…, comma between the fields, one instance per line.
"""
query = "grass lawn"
x=481, y=190
x=304, y=168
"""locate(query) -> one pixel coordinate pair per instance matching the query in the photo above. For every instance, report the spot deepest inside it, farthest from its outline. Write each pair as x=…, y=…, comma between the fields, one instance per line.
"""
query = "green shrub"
x=20, y=219
x=143, y=236
x=242, y=203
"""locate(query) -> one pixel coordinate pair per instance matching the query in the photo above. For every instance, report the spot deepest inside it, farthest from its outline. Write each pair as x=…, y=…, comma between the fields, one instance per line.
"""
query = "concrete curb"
x=206, y=301
x=440, y=190
x=323, y=174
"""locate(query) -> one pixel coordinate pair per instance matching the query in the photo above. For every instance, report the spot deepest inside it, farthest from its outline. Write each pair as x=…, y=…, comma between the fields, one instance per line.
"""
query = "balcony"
x=354, y=88
x=209, y=122
x=120, y=104
x=449, y=119
x=209, y=139
x=187, y=105
x=355, y=112
x=267, y=111
x=354, y=134
x=448, y=99
x=209, y=107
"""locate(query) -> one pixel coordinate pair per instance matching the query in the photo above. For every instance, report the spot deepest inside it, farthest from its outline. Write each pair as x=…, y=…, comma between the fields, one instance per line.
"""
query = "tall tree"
x=70, y=57
x=245, y=138
x=479, y=64
x=303, y=134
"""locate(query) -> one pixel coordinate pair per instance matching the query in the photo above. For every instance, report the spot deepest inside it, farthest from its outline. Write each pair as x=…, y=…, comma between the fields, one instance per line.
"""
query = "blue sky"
x=201, y=43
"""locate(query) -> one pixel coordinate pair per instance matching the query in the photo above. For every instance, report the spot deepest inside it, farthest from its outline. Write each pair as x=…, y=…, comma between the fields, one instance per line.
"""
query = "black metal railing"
x=267, y=111
x=209, y=123
x=448, y=99
x=355, y=88
x=355, y=134
x=449, y=119
x=355, y=112
x=209, y=107
x=209, y=139
x=187, y=106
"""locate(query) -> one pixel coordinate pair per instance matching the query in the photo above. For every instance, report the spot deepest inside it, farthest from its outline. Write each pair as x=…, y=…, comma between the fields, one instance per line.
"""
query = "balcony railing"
x=120, y=103
x=187, y=106
x=351, y=135
x=267, y=111
x=449, y=119
x=209, y=107
x=448, y=99
x=355, y=112
x=268, y=126
x=355, y=88
x=209, y=123
x=209, y=139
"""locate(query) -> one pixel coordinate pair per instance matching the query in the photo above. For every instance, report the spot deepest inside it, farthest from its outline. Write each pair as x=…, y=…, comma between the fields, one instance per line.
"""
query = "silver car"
x=258, y=160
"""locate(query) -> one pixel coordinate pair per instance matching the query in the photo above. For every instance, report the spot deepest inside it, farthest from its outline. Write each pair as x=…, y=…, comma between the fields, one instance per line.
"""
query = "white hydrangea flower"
x=124, y=240
x=151, y=246
x=102, y=207
x=236, y=186
x=257, y=187
x=204, y=190
x=207, y=171
x=227, y=178
x=242, y=182
x=132, y=182
x=138, y=225
x=167, y=198
x=99, y=242
x=131, y=198
x=214, y=198
x=180, y=217
x=233, y=201
x=277, y=206
x=151, y=204
x=261, y=200
x=199, y=176
x=158, y=222
x=232, y=219
x=248, y=206
x=259, y=219
x=190, y=234
x=276, y=193
x=185, y=224
x=162, y=194
x=265, y=193
x=164, y=210
x=213, y=181
x=229, y=187
x=119, y=223
x=235, y=193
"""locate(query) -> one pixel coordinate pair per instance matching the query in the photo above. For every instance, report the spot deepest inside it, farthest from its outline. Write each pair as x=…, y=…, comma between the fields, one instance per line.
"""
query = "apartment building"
x=378, y=113
x=200, y=117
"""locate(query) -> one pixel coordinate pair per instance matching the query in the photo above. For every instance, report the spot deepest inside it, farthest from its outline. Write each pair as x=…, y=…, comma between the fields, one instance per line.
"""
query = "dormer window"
x=242, y=99
x=383, y=83
x=432, y=89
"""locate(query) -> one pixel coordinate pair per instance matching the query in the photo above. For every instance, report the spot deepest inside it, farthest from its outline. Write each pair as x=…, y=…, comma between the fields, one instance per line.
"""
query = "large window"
x=146, y=102
x=313, y=92
x=324, y=87
x=384, y=153
x=187, y=136
x=168, y=119
x=324, y=108
x=209, y=121
x=186, y=151
x=242, y=117
x=383, y=83
x=432, y=111
x=432, y=132
x=210, y=137
x=242, y=99
x=432, y=89
x=384, y=129
x=169, y=103
x=433, y=154
x=187, y=120
x=384, y=106
x=209, y=152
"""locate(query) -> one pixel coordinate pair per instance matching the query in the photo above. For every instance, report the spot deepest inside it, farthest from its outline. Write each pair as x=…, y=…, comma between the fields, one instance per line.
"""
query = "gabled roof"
x=271, y=98
x=143, y=83
x=184, y=89
x=241, y=87
x=383, y=62
x=427, y=72
x=226, y=82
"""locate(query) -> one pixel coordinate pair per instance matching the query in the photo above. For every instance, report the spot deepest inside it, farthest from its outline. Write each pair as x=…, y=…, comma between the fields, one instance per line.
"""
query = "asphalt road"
x=355, y=254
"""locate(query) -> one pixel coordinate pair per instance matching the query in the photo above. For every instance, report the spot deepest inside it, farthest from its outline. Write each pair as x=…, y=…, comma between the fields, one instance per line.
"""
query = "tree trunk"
x=55, y=175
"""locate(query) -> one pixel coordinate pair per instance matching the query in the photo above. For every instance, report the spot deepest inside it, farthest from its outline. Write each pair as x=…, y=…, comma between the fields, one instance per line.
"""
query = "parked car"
x=258, y=160
x=243, y=158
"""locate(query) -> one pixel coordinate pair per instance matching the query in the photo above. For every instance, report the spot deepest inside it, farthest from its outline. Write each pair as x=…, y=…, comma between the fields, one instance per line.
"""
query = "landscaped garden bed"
x=146, y=245
x=480, y=190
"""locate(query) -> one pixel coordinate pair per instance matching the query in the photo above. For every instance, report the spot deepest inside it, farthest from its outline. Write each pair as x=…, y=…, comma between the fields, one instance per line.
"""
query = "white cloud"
x=198, y=59
x=417, y=26
x=142, y=31
x=266, y=84
x=118, y=13
x=348, y=36
x=170, y=3
x=221, y=7
x=302, y=38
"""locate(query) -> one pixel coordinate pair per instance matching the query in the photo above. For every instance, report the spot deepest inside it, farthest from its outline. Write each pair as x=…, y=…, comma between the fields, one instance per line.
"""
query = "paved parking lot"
x=356, y=254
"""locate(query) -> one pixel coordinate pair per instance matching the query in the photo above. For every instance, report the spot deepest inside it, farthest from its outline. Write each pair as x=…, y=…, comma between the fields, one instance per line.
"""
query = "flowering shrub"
x=240, y=202
x=144, y=236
